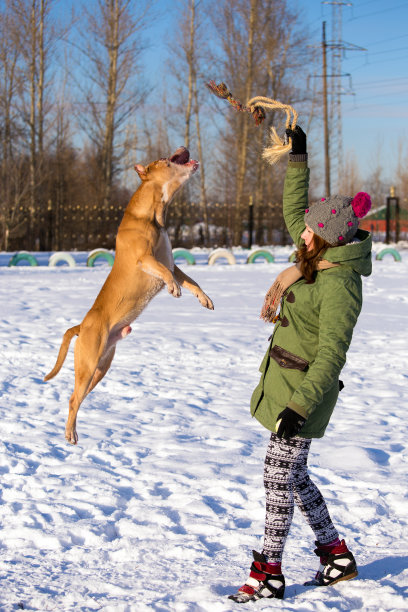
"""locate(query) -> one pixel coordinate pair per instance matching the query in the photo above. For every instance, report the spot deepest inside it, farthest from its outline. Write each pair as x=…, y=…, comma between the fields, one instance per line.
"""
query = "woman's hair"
x=308, y=260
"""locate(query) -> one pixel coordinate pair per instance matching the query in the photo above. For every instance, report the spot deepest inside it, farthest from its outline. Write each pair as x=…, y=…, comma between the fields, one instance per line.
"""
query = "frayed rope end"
x=277, y=149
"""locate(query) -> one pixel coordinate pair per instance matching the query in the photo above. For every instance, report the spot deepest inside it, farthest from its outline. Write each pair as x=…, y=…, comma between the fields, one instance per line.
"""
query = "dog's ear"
x=141, y=170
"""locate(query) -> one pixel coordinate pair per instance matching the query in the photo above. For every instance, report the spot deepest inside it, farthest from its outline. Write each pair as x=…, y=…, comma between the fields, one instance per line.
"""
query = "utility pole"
x=338, y=48
x=250, y=221
x=325, y=116
x=333, y=139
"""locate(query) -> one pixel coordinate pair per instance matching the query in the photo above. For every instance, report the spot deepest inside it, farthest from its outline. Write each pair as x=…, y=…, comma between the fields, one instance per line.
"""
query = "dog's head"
x=165, y=176
x=169, y=172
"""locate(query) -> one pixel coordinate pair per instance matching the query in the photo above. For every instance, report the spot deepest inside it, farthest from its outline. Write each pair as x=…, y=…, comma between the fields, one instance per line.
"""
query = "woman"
x=320, y=299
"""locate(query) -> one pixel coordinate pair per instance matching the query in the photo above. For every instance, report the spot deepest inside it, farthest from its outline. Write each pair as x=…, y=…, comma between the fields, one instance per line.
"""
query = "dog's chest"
x=163, y=252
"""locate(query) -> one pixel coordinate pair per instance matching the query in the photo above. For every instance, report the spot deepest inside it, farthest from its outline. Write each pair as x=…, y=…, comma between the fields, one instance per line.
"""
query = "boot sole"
x=348, y=577
x=278, y=595
x=317, y=584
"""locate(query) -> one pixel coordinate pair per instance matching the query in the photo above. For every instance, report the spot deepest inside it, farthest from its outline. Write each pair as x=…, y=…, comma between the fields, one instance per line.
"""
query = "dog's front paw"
x=174, y=289
x=205, y=301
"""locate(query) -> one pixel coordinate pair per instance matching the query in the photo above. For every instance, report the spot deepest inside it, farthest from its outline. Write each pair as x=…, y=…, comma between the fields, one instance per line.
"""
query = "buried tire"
x=260, y=253
x=389, y=251
x=221, y=254
x=23, y=256
x=184, y=254
x=99, y=254
x=61, y=257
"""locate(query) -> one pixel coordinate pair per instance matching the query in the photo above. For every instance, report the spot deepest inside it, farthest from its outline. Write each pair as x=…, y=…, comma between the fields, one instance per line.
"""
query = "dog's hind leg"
x=89, y=349
x=103, y=366
x=78, y=395
x=94, y=353
x=108, y=355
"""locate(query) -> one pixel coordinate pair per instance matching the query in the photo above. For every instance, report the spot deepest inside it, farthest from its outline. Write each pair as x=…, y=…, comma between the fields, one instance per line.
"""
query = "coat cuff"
x=297, y=408
x=297, y=165
x=298, y=157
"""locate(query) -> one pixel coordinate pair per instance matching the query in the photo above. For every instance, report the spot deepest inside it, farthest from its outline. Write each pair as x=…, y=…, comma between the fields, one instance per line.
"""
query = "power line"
x=379, y=81
x=388, y=51
x=380, y=42
x=376, y=62
x=368, y=2
x=387, y=10
x=379, y=106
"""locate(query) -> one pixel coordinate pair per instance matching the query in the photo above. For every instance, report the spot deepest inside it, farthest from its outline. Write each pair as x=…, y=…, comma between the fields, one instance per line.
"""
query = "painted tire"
x=99, y=254
x=260, y=253
x=60, y=256
x=393, y=252
x=292, y=257
x=221, y=253
x=183, y=254
x=23, y=256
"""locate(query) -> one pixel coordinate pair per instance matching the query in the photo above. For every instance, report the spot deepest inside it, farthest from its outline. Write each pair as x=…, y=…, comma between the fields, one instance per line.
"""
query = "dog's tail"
x=66, y=339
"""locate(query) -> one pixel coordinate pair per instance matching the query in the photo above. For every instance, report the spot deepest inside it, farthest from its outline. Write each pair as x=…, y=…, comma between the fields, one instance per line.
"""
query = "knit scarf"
x=284, y=280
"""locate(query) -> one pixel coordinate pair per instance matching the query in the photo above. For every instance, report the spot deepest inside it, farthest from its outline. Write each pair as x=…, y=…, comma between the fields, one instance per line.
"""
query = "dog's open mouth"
x=182, y=158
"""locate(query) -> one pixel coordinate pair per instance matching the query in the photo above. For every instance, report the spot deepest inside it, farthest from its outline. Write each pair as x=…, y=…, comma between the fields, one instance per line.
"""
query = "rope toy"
x=256, y=107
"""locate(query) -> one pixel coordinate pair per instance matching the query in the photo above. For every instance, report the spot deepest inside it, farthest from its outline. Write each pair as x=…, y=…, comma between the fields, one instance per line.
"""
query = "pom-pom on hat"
x=335, y=219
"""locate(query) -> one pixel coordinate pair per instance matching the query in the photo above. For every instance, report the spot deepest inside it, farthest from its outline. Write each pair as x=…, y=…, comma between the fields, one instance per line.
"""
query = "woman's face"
x=307, y=236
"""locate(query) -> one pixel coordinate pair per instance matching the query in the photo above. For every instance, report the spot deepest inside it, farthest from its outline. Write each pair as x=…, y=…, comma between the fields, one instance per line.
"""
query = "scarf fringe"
x=283, y=281
x=271, y=302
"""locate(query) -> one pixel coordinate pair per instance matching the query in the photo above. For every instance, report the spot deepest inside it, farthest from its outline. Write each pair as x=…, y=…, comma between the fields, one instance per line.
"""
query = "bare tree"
x=189, y=56
x=13, y=180
x=186, y=63
x=192, y=23
x=264, y=49
x=203, y=189
x=113, y=88
x=244, y=127
x=350, y=179
x=375, y=184
x=37, y=37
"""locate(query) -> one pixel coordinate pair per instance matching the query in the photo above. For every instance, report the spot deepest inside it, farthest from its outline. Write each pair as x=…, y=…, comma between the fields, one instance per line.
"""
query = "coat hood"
x=354, y=255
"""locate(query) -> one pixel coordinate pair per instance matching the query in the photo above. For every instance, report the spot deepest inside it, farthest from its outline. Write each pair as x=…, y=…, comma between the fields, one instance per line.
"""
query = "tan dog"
x=143, y=265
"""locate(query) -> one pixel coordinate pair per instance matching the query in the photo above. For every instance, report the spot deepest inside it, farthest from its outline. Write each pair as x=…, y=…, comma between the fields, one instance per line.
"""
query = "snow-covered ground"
x=160, y=504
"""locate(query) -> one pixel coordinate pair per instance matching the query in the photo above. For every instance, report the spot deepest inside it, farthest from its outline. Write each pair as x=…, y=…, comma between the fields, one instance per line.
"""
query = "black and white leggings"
x=287, y=481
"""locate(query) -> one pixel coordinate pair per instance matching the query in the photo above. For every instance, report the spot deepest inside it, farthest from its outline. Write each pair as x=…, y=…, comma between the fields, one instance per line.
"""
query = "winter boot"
x=263, y=582
x=336, y=563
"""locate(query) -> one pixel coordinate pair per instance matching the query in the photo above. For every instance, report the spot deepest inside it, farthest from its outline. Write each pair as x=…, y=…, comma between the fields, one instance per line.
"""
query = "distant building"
x=375, y=222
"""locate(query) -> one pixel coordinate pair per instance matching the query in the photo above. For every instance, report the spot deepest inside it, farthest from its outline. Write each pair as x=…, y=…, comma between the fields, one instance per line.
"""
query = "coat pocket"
x=288, y=360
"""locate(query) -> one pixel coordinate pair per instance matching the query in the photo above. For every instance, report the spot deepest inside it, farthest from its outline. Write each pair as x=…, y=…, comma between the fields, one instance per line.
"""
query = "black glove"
x=299, y=146
x=289, y=423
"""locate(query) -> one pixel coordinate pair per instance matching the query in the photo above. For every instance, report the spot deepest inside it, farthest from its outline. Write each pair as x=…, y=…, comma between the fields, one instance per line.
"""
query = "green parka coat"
x=316, y=324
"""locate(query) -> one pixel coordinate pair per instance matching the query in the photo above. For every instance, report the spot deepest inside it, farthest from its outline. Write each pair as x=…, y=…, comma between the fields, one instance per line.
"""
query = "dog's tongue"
x=181, y=156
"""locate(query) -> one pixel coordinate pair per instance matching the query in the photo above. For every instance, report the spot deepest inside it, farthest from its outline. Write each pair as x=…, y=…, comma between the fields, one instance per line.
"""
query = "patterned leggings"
x=287, y=481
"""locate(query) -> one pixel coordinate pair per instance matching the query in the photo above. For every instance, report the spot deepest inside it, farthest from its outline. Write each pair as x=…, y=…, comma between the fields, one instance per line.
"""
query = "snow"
x=160, y=504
